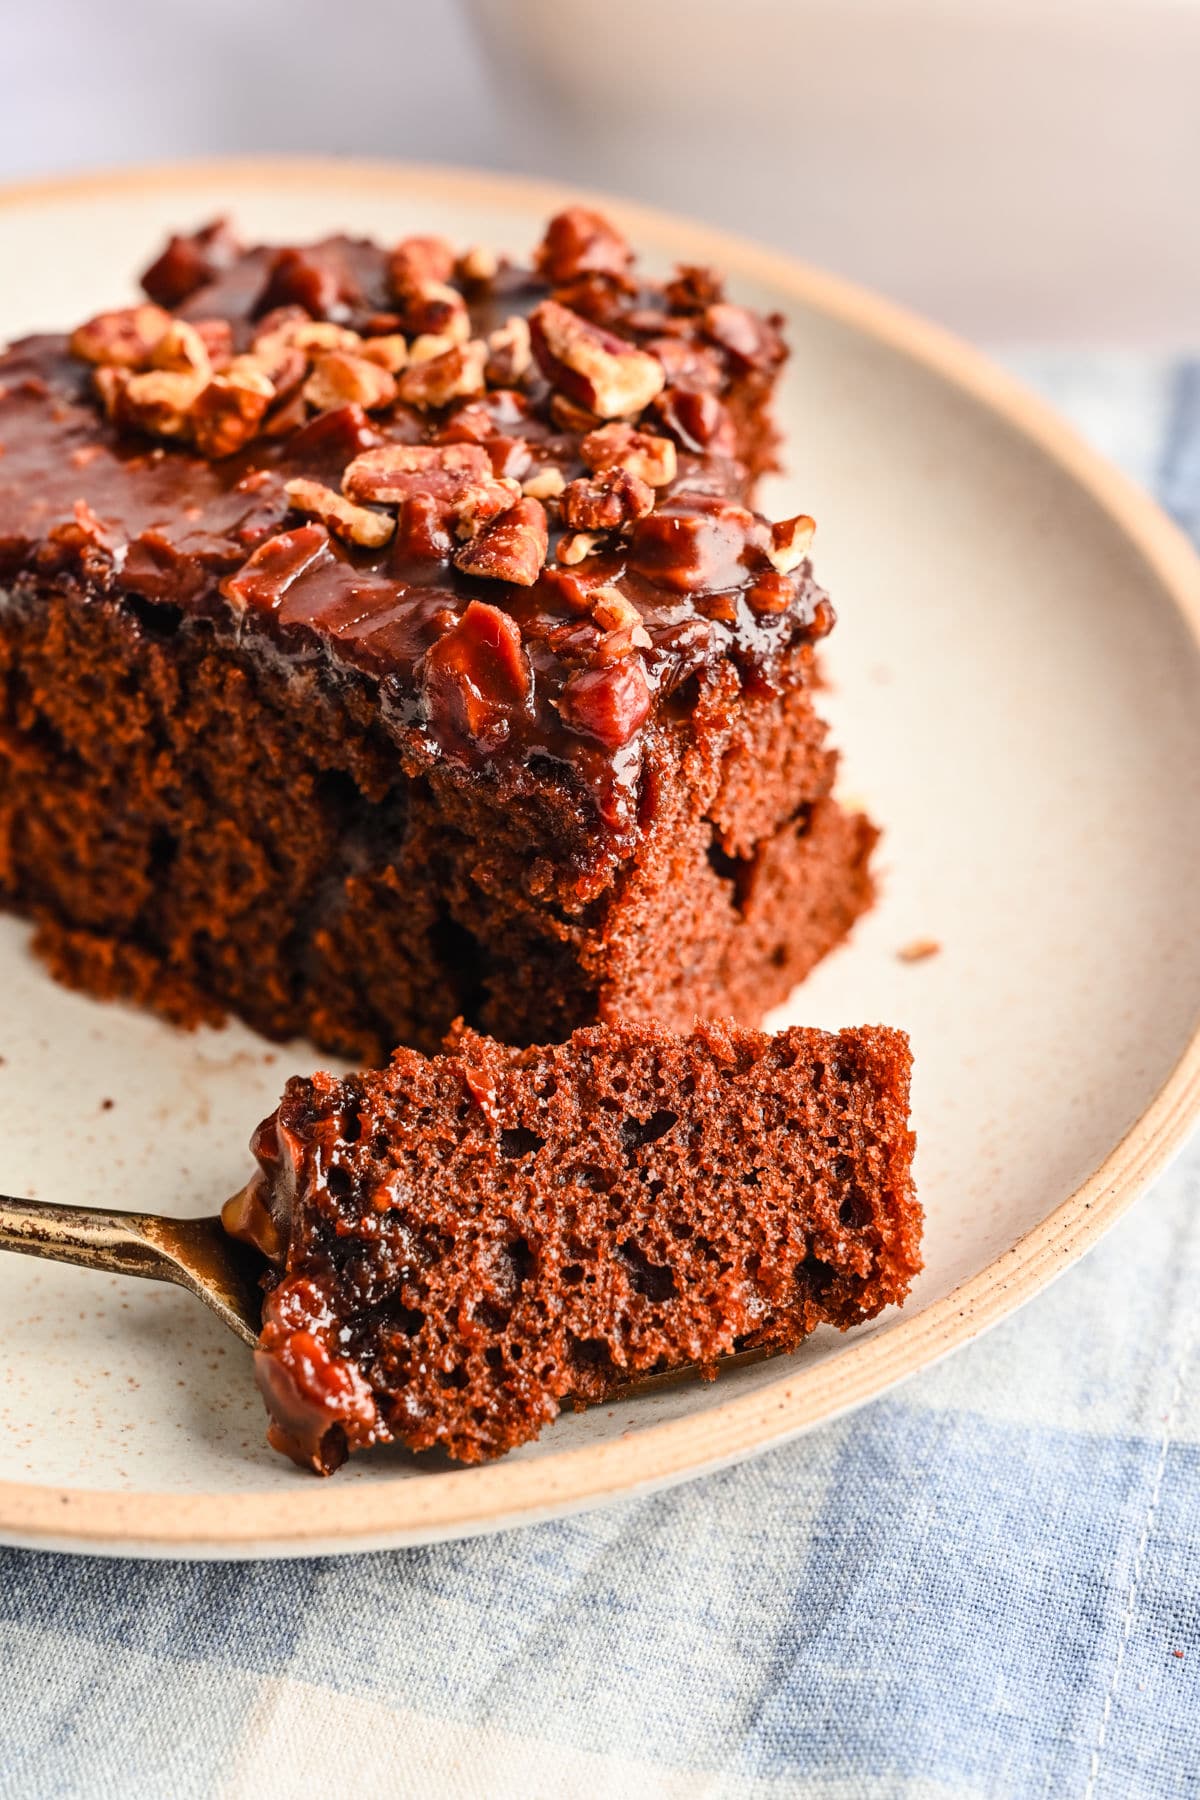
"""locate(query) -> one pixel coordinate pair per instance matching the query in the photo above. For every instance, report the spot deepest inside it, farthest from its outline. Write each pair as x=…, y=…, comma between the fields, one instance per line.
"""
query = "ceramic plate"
x=1016, y=682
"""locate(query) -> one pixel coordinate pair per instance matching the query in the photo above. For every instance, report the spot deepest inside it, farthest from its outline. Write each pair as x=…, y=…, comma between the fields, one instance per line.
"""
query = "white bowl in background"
x=1019, y=168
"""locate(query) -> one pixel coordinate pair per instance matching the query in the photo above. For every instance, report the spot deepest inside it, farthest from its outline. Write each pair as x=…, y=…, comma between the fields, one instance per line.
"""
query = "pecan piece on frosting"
x=790, y=542
x=593, y=366
x=357, y=524
x=315, y=337
x=389, y=350
x=476, y=680
x=508, y=352
x=312, y=278
x=189, y=261
x=124, y=339
x=579, y=242
x=694, y=419
x=182, y=350
x=512, y=547
x=457, y=478
x=693, y=287
x=651, y=459
x=416, y=260
x=343, y=379
x=751, y=342
x=613, y=612
x=607, y=501
x=544, y=484
x=435, y=310
x=395, y=472
x=265, y=577
x=228, y=412
x=608, y=703
x=576, y=547
x=478, y=266
x=456, y=374
x=160, y=402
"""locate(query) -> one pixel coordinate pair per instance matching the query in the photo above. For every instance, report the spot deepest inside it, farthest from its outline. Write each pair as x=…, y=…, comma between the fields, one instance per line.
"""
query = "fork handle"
x=89, y=1235
x=195, y=1254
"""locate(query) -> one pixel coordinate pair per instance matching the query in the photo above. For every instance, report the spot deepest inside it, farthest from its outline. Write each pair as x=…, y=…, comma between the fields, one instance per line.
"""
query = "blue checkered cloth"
x=987, y=1585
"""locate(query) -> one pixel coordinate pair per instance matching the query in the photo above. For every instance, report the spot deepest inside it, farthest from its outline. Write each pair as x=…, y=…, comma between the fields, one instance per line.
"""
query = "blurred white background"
x=1018, y=168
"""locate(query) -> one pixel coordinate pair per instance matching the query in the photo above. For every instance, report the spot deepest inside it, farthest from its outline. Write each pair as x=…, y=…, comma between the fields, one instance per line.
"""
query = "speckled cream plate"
x=1017, y=686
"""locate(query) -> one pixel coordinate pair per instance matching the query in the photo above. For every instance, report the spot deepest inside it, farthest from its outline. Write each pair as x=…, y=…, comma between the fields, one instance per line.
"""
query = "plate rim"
x=325, y=1518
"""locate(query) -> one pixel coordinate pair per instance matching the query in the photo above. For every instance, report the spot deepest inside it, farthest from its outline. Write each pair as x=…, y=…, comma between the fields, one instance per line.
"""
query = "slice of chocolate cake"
x=386, y=637
x=459, y=1245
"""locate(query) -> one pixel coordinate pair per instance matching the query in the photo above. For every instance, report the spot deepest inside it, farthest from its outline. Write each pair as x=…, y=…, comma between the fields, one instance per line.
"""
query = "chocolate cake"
x=386, y=636
x=459, y=1245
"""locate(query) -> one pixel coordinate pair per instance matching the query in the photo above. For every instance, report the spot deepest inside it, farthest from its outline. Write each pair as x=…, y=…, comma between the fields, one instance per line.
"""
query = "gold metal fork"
x=196, y=1254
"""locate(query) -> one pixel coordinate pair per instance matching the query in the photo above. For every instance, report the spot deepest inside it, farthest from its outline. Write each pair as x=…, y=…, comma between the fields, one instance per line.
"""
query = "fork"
x=196, y=1254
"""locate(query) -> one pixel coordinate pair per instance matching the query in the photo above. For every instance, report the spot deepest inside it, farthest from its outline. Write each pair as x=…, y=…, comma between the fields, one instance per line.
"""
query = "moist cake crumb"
x=458, y=1246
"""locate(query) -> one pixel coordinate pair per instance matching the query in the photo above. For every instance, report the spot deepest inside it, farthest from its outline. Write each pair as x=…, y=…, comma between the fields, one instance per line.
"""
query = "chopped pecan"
x=428, y=345
x=283, y=365
x=160, y=402
x=110, y=383
x=312, y=336
x=455, y=478
x=751, y=341
x=124, y=339
x=395, y=472
x=601, y=298
x=455, y=375
x=289, y=416
x=182, y=350
x=264, y=579
x=693, y=288
x=689, y=364
x=694, y=549
x=217, y=337
x=334, y=437
x=771, y=593
x=579, y=242
x=651, y=459
x=476, y=681
x=608, y=500
x=693, y=418
x=613, y=612
x=546, y=484
x=575, y=547
x=416, y=260
x=511, y=548
x=482, y=501
x=432, y=309
x=270, y=322
x=340, y=379
x=309, y=279
x=578, y=420
x=791, y=540
x=608, y=703
x=389, y=350
x=613, y=645
x=85, y=532
x=470, y=423
x=189, y=261
x=567, y=590
x=510, y=455
x=422, y=531
x=591, y=365
x=228, y=412
x=357, y=524
x=477, y=266
x=508, y=352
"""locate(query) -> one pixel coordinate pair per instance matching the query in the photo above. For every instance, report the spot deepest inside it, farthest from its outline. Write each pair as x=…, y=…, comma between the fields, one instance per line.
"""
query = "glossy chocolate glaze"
x=479, y=673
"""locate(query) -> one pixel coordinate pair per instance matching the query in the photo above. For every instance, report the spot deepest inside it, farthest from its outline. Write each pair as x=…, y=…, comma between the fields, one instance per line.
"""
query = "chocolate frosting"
x=482, y=673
